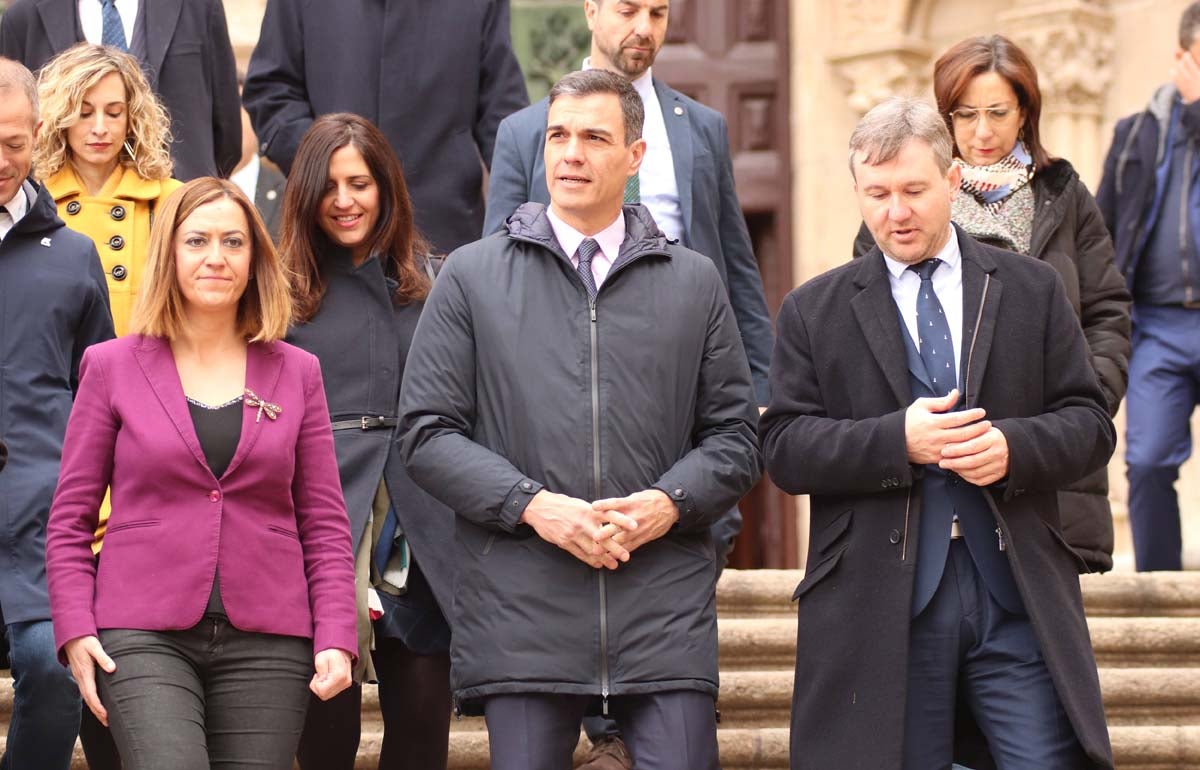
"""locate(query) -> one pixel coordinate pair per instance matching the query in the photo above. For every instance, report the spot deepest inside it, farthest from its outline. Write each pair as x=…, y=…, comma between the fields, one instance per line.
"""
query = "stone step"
x=1135, y=748
x=766, y=643
x=768, y=593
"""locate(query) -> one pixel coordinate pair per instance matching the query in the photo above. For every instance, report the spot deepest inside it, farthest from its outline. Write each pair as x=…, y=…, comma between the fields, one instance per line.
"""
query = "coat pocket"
x=818, y=573
x=132, y=525
x=833, y=531
x=283, y=531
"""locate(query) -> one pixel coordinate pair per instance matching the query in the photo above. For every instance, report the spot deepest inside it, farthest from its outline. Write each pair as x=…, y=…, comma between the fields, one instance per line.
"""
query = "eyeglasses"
x=967, y=117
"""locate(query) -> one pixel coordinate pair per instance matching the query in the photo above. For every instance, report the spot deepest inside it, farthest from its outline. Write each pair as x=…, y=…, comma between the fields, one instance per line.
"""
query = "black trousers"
x=963, y=640
x=208, y=697
x=664, y=731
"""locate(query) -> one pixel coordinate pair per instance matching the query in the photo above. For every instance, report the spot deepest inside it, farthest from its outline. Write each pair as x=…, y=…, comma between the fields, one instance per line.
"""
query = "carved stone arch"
x=878, y=55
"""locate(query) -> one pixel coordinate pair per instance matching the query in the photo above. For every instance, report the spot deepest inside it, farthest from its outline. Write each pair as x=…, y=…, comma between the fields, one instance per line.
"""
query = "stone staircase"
x=1145, y=631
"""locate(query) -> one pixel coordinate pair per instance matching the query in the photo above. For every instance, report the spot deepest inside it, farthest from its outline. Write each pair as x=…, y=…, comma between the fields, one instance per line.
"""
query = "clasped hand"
x=963, y=442
x=603, y=533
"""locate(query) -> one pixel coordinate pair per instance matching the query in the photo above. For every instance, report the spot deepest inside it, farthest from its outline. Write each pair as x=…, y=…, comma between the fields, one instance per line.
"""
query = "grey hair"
x=14, y=74
x=890, y=125
x=589, y=82
x=1189, y=25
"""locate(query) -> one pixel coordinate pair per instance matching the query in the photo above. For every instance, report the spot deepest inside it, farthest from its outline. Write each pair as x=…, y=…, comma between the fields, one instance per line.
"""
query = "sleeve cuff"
x=683, y=501
x=514, y=505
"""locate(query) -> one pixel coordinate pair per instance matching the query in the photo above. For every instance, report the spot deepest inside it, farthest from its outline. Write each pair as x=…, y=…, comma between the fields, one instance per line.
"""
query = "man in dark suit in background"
x=436, y=78
x=183, y=46
x=259, y=178
x=932, y=396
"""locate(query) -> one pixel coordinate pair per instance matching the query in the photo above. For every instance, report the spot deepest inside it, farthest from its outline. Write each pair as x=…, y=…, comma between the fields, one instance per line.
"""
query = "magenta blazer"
x=274, y=524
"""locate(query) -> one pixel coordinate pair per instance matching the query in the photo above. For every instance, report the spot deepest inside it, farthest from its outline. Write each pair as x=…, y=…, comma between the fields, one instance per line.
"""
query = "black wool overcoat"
x=835, y=430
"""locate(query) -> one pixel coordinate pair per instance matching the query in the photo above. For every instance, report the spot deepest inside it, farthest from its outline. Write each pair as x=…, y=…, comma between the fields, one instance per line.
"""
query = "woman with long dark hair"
x=360, y=276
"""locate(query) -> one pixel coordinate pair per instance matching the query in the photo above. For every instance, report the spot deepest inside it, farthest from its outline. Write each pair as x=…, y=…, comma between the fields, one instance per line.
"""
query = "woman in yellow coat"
x=104, y=154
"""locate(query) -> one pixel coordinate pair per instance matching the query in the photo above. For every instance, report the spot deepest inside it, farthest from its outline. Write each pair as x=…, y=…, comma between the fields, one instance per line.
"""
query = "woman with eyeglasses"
x=1014, y=195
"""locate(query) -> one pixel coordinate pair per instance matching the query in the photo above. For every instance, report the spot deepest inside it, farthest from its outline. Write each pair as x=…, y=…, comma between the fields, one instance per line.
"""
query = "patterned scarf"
x=992, y=185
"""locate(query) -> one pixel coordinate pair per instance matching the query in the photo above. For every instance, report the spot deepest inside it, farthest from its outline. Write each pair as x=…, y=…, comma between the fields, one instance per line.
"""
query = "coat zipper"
x=596, y=490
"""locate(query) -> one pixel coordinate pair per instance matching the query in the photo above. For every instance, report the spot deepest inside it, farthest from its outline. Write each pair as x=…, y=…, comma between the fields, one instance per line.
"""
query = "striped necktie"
x=113, y=33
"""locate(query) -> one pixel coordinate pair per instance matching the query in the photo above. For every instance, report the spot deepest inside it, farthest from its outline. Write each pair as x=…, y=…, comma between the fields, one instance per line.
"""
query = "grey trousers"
x=664, y=731
x=208, y=697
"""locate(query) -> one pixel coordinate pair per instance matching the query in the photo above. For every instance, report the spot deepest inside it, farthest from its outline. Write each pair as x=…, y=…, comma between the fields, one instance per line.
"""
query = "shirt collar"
x=950, y=255
x=609, y=239
x=18, y=206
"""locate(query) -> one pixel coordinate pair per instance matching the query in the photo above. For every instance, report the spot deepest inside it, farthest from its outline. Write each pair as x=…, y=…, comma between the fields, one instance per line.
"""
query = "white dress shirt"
x=247, y=178
x=91, y=18
x=609, y=240
x=947, y=284
x=656, y=179
x=14, y=210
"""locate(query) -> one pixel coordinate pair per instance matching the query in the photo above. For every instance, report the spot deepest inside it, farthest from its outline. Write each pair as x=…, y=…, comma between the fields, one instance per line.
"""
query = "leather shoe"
x=609, y=753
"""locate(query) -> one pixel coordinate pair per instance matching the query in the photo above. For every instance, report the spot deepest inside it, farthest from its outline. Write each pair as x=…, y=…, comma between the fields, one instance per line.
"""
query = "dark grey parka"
x=53, y=305
x=515, y=383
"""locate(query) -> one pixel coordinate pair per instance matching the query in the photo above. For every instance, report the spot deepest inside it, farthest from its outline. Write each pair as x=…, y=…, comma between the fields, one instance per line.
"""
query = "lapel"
x=161, y=18
x=263, y=364
x=876, y=313
x=60, y=19
x=679, y=135
x=981, y=304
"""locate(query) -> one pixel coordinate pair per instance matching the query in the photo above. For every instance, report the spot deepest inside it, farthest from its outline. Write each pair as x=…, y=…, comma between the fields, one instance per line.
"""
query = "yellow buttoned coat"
x=118, y=220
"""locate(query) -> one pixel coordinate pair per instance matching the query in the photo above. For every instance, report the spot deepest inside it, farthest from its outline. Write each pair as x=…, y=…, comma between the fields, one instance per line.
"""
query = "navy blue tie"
x=587, y=249
x=113, y=31
x=933, y=332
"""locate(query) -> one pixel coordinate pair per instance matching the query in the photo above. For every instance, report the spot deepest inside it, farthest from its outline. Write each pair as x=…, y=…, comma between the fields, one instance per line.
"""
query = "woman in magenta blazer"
x=226, y=578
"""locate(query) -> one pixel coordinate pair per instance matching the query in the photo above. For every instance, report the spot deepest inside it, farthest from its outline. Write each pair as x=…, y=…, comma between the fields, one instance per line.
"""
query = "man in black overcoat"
x=931, y=397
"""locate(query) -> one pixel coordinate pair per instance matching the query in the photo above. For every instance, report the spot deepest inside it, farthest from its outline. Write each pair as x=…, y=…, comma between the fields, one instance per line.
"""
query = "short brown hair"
x=890, y=125
x=305, y=246
x=954, y=71
x=589, y=82
x=264, y=311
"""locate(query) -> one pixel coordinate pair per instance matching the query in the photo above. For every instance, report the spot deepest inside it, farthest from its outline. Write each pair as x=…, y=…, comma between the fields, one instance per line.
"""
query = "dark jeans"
x=963, y=638
x=414, y=697
x=45, y=715
x=664, y=731
x=1164, y=389
x=210, y=696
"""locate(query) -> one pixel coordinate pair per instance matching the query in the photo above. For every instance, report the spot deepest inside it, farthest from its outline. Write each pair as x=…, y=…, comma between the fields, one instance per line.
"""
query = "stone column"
x=1071, y=44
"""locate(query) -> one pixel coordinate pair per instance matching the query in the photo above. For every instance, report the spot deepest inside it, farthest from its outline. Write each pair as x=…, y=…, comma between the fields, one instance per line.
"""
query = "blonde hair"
x=264, y=310
x=62, y=84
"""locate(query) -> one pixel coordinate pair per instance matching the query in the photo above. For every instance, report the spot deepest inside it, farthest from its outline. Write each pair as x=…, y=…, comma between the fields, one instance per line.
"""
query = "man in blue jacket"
x=1150, y=198
x=55, y=304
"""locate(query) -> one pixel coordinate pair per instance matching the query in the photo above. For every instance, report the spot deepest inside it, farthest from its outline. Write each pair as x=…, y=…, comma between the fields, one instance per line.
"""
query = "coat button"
x=526, y=486
x=894, y=536
x=73, y=207
x=885, y=484
x=117, y=213
x=116, y=243
x=214, y=496
x=119, y=272
x=678, y=493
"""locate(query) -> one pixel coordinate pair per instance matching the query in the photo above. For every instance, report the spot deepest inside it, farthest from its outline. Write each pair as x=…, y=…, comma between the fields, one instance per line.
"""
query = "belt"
x=367, y=423
x=956, y=532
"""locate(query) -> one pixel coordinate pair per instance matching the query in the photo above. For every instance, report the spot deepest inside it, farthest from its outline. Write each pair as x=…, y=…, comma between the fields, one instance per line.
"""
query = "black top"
x=219, y=428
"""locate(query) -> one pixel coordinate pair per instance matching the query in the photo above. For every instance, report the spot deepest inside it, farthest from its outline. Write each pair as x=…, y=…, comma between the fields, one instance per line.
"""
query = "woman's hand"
x=333, y=673
x=83, y=653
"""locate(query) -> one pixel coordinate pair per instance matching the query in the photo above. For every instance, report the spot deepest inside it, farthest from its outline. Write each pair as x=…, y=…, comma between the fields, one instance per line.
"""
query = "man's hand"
x=573, y=525
x=84, y=653
x=1186, y=75
x=637, y=519
x=930, y=426
x=981, y=461
x=332, y=673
